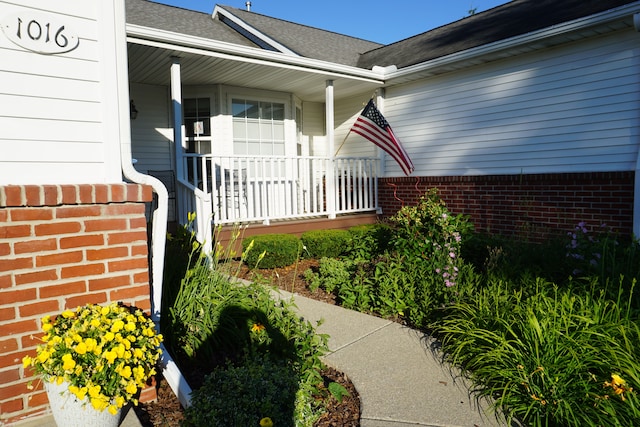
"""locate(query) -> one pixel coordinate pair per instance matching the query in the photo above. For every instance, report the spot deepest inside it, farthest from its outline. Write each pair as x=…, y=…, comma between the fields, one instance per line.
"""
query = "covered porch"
x=227, y=178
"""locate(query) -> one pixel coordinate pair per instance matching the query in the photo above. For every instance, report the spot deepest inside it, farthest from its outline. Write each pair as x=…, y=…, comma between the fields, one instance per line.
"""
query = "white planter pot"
x=68, y=411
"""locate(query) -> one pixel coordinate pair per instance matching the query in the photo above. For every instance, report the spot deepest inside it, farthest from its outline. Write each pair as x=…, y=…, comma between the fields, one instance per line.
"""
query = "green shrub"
x=271, y=250
x=332, y=274
x=368, y=241
x=325, y=243
x=240, y=396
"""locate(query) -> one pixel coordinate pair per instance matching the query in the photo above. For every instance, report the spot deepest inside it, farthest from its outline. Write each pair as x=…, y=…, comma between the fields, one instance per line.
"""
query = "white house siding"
x=151, y=131
x=569, y=109
x=53, y=120
x=313, y=128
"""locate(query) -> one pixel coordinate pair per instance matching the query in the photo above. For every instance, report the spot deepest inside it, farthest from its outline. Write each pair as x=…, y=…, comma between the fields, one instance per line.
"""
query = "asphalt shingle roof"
x=155, y=15
x=307, y=41
x=515, y=18
x=509, y=20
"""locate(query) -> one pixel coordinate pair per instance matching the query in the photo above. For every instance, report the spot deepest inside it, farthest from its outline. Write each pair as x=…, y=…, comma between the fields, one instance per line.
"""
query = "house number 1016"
x=39, y=33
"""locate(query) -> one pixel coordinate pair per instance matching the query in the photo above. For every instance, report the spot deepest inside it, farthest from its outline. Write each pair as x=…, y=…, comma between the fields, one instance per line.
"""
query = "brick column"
x=62, y=246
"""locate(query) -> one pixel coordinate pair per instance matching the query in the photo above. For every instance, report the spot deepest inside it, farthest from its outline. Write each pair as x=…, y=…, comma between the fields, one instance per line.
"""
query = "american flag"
x=372, y=125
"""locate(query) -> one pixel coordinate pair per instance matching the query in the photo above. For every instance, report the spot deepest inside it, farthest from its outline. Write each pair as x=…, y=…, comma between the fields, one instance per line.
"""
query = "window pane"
x=266, y=111
x=238, y=108
x=252, y=110
x=278, y=111
x=190, y=107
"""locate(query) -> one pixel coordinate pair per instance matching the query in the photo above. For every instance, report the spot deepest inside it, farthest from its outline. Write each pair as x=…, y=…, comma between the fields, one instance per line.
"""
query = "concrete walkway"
x=396, y=370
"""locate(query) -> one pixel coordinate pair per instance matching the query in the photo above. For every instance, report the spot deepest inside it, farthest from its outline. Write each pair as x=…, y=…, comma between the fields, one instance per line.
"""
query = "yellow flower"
x=132, y=388
x=117, y=326
x=126, y=372
x=68, y=314
x=46, y=327
x=119, y=401
x=110, y=356
x=99, y=403
x=257, y=327
x=81, y=348
x=43, y=356
x=94, y=390
x=69, y=363
x=266, y=422
x=113, y=409
x=79, y=392
x=26, y=361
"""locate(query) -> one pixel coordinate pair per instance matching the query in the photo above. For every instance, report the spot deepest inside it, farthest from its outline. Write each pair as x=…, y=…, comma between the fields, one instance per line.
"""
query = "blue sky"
x=381, y=21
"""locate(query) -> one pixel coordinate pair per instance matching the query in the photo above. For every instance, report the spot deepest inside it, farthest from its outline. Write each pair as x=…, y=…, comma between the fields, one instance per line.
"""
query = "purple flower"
x=452, y=255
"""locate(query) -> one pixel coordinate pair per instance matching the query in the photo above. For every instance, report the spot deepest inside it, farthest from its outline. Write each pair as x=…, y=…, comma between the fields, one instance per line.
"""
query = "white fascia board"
x=207, y=47
x=513, y=42
x=283, y=49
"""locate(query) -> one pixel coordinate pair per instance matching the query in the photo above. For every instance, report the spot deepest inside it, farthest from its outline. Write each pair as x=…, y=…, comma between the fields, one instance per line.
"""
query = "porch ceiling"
x=151, y=65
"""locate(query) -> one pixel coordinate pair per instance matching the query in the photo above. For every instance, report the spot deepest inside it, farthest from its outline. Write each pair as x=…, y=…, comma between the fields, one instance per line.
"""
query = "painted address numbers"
x=41, y=33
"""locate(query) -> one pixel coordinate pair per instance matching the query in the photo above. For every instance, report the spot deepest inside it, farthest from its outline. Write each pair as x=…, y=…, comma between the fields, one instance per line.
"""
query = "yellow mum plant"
x=104, y=353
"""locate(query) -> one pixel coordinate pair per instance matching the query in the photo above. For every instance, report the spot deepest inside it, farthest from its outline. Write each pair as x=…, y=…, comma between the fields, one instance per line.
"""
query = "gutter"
x=170, y=370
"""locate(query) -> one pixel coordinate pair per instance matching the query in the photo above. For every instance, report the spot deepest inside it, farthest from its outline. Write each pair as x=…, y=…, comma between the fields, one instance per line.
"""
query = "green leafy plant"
x=547, y=357
x=338, y=391
x=243, y=395
x=271, y=250
x=368, y=241
x=216, y=323
x=325, y=243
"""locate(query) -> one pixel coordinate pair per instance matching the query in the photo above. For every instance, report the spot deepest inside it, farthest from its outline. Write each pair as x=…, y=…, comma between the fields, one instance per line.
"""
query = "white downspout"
x=159, y=221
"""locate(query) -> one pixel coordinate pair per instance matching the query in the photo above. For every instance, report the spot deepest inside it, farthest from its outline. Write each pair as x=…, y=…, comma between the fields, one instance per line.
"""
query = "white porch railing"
x=240, y=189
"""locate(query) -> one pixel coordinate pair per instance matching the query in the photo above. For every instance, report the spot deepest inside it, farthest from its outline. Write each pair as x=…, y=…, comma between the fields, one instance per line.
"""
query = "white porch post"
x=176, y=105
x=330, y=179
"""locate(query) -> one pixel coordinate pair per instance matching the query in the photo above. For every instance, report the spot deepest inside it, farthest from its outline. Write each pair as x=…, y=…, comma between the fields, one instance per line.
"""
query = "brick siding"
x=62, y=246
x=535, y=207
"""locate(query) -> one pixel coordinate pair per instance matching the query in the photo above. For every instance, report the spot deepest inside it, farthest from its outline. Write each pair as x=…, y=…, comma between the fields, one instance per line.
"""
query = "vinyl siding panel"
x=568, y=109
x=313, y=128
x=53, y=105
x=152, y=132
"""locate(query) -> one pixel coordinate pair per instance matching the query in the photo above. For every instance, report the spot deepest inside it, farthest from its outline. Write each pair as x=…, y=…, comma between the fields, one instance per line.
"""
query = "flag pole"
x=343, y=141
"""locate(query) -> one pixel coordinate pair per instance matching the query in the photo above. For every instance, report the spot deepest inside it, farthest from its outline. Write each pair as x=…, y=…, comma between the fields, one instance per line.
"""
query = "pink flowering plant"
x=428, y=239
x=105, y=353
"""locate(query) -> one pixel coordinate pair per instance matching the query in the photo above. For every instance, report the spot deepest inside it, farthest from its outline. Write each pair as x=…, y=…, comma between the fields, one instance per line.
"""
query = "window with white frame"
x=197, y=123
x=258, y=127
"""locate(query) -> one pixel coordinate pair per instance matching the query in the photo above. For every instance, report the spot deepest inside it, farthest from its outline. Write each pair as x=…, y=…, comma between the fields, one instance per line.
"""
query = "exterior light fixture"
x=133, y=111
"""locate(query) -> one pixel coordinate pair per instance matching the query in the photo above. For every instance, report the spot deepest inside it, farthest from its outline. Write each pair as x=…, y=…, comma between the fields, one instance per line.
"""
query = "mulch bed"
x=168, y=412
